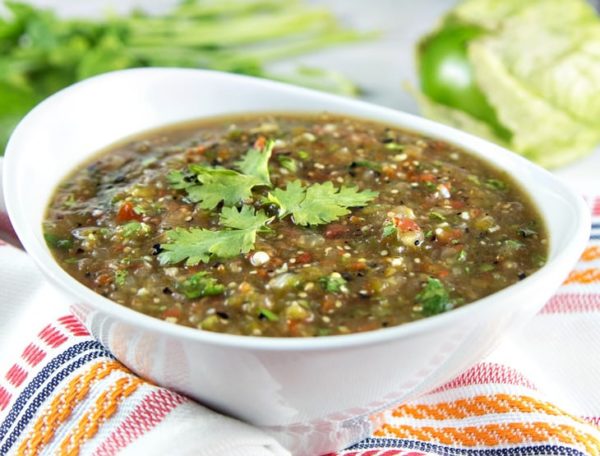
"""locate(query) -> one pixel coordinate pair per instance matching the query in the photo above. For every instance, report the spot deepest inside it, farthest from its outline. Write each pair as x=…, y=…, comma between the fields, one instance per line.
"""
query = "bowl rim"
x=58, y=276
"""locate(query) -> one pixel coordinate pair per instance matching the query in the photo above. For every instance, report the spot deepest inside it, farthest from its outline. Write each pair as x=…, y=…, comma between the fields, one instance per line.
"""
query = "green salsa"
x=292, y=225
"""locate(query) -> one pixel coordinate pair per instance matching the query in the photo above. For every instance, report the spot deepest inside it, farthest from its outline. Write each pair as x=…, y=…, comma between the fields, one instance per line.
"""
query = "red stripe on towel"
x=150, y=412
x=572, y=303
x=33, y=354
x=487, y=373
x=5, y=397
x=16, y=375
x=74, y=326
x=52, y=336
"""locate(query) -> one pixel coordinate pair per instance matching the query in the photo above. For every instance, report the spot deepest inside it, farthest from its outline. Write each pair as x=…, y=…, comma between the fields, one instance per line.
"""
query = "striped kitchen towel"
x=61, y=392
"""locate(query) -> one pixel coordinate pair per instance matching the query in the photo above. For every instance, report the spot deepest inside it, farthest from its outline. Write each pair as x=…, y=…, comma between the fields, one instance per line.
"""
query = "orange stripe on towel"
x=591, y=253
x=494, y=435
x=478, y=406
x=585, y=276
x=63, y=404
x=105, y=407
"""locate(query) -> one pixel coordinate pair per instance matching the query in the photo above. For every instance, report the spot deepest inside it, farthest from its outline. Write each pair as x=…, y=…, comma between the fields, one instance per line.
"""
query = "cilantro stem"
x=42, y=53
x=236, y=31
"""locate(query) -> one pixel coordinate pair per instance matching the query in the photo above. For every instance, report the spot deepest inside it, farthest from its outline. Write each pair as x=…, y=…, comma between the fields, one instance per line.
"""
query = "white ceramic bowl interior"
x=314, y=395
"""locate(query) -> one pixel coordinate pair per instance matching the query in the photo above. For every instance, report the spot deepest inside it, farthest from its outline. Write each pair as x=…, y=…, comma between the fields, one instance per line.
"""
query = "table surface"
x=381, y=67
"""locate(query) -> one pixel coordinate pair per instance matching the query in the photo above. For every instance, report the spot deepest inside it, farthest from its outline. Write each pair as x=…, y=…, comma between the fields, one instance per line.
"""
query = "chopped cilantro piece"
x=58, y=243
x=268, y=314
x=197, y=245
x=199, y=285
x=474, y=179
x=303, y=155
x=433, y=215
x=434, y=298
x=430, y=186
x=318, y=203
x=255, y=163
x=69, y=201
x=526, y=232
x=133, y=229
x=540, y=259
x=120, y=277
x=389, y=229
x=462, y=256
x=512, y=244
x=105, y=232
x=139, y=210
x=495, y=184
x=333, y=283
x=366, y=164
x=288, y=163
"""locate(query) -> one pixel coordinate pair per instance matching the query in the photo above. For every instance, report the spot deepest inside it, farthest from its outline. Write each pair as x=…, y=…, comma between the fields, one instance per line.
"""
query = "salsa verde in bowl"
x=292, y=225
x=314, y=394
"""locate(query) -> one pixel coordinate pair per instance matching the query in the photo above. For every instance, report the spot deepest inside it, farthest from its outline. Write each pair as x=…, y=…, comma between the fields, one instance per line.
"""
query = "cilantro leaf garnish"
x=208, y=186
x=220, y=184
x=244, y=219
x=318, y=203
x=181, y=181
x=287, y=199
x=255, y=163
x=199, y=245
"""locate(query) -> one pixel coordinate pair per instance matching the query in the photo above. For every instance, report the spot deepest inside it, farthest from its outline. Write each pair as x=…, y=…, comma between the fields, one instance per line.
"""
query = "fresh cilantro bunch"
x=40, y=52
x=208, y=187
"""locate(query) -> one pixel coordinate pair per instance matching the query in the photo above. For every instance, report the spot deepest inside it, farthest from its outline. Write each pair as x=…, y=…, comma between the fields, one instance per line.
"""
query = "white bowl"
x=314, y=395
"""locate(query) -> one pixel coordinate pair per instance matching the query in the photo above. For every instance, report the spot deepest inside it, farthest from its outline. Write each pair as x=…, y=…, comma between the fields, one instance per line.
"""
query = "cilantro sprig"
x=199, y=245
x=208, y=187
x=318, y=203
x=256, y=163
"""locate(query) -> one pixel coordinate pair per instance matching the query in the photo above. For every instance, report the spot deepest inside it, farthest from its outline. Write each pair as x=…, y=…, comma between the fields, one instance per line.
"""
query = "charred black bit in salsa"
x=289, y=225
